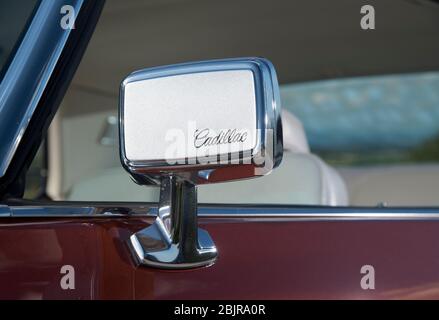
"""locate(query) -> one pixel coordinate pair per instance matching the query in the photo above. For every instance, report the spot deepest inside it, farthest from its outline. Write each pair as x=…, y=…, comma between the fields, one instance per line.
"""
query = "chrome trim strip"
x=243, y=213
x=56, y=211
x=329, y=216
x=316, y=213
x=29, y=73
x=5, y=211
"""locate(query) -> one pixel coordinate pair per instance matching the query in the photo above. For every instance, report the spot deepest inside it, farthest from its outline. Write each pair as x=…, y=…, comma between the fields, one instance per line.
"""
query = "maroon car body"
x=268, y=256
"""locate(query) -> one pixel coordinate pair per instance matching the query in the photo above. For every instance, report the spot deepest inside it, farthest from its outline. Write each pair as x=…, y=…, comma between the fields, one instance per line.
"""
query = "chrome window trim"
x=34, y=61
x=218, y=213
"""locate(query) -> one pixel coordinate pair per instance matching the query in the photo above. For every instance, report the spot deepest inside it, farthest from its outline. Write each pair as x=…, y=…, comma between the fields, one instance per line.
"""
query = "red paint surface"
x=258, y=260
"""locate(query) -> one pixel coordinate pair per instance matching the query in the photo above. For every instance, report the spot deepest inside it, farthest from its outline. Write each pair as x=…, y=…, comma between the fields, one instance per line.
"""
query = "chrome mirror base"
x=152, y=249
x=174, y=240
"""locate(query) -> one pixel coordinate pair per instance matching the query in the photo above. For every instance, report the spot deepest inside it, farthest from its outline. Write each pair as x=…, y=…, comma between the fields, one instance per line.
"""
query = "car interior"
x=139, y=34
x=315, y=182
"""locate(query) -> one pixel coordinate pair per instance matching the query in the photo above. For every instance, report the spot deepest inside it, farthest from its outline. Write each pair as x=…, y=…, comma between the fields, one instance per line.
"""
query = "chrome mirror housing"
x=189, y=124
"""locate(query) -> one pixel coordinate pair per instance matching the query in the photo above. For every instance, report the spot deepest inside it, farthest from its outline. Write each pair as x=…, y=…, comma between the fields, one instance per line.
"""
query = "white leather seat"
x=302, y=178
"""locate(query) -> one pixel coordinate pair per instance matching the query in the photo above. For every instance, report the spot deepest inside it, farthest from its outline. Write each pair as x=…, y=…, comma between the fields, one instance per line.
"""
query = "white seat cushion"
x=300, y=179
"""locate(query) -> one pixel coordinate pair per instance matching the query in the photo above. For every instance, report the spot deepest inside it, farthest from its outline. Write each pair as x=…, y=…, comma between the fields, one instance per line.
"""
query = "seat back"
x=302, y=178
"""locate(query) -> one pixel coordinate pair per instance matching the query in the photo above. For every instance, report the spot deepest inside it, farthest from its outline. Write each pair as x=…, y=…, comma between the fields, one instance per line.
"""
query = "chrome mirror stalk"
x=174, y=240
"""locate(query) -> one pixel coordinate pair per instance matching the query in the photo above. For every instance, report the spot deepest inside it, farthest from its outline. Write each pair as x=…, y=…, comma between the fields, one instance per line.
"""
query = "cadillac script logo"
x=204, y=137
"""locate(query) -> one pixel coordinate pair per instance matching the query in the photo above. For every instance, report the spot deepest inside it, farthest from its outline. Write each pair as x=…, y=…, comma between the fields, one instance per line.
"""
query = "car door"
x=269, y=253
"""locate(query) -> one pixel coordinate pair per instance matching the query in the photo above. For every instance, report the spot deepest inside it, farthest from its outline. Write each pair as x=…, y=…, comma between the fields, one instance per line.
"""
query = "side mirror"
x=190, y=124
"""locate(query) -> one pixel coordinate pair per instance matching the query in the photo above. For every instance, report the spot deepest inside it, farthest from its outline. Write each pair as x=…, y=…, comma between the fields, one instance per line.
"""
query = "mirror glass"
x=203, y=119
x=190, y=115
